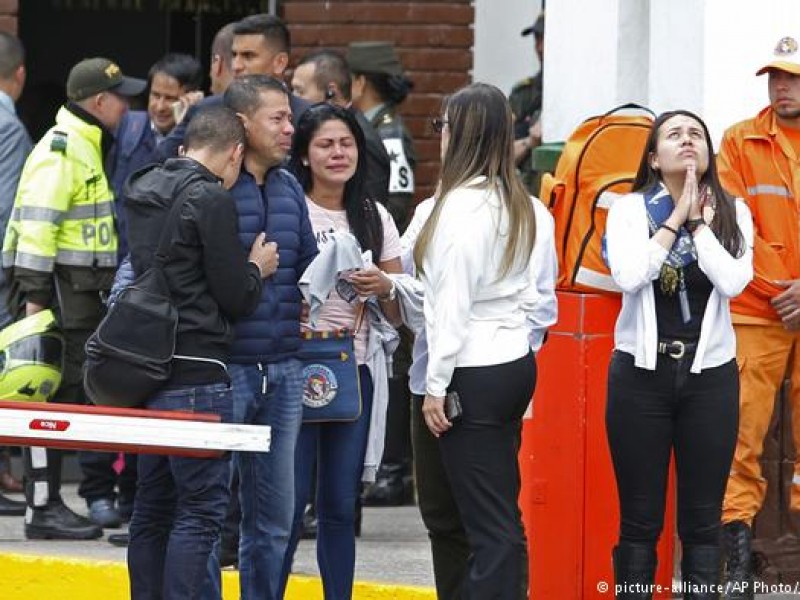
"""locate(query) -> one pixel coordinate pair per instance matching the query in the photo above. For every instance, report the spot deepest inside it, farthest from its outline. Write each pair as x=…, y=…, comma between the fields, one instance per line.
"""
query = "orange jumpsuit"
x=759, y=164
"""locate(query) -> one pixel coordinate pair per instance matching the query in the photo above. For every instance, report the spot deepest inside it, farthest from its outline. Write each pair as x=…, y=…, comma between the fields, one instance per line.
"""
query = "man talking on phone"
x=141, y=131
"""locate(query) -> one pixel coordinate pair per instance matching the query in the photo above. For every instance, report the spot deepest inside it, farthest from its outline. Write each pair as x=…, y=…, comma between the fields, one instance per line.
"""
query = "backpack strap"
x=162, y=252
x=628, y=106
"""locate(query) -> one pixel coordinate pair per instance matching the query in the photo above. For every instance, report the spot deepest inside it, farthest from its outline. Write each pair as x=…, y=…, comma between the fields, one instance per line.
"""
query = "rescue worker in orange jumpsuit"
x=759, y=160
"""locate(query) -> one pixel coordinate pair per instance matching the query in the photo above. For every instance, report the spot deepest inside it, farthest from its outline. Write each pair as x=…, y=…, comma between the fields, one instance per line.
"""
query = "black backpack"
x=129, y=355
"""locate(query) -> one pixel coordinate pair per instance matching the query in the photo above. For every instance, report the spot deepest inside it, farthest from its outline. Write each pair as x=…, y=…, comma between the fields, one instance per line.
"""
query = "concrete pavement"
x=392, y=563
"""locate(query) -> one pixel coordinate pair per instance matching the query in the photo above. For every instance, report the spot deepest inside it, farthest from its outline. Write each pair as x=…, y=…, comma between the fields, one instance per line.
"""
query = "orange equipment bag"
x=598, y=165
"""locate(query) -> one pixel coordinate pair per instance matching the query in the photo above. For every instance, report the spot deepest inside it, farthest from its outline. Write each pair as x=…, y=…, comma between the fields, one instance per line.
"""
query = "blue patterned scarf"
x=659, y=205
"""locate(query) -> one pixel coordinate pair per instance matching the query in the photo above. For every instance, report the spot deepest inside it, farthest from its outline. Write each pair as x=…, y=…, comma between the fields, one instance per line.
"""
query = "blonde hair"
x=480, y=125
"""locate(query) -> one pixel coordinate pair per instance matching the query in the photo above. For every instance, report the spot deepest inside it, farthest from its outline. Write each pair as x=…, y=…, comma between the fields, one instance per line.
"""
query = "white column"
x=677, y=55
x=695, y=54
x=582, y=49
x=740, y=36
x=632, y=52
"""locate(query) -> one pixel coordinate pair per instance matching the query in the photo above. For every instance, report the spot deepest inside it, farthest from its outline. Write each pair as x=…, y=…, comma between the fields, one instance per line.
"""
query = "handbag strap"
x=361, y=312
x=358, y=322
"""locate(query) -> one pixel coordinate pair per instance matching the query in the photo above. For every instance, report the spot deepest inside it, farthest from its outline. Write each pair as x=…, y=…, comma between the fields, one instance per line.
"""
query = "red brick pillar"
x=8, y=15
x=434, y=41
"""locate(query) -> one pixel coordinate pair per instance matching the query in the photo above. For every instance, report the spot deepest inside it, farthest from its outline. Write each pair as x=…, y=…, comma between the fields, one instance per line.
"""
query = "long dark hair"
x=362, y=214
x=724, y=223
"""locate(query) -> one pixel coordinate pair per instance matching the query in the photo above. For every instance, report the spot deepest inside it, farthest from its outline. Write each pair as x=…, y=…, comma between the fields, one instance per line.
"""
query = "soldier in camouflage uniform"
x=526, y=103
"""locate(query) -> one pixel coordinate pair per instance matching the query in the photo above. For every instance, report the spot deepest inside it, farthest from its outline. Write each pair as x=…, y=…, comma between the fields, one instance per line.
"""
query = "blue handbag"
x=331, y=386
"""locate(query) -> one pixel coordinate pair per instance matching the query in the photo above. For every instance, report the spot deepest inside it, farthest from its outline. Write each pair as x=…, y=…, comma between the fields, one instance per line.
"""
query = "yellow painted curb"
x=29, y=577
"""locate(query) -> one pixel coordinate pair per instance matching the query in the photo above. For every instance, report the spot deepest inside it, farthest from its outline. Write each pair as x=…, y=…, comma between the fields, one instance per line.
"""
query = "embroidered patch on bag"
x=319, y=385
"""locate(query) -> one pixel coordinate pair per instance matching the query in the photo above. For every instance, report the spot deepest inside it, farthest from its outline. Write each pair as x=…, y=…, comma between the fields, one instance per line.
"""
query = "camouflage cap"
x=373, y=57
x=94, y=75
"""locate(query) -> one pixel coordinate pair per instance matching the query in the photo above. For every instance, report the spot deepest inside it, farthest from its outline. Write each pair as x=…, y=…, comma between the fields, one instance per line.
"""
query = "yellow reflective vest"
x=64, y=209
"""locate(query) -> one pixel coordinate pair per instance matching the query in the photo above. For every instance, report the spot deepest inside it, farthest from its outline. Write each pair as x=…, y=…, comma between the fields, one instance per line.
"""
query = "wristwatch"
x=693, y=224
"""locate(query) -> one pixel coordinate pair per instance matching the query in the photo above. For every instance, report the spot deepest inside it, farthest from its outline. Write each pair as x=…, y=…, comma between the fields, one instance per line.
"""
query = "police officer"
x=526, y=104
x=379, y=86
x=61, y=250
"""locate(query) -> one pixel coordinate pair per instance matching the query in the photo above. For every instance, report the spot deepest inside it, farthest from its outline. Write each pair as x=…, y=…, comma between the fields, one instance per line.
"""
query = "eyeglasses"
x=438, y=124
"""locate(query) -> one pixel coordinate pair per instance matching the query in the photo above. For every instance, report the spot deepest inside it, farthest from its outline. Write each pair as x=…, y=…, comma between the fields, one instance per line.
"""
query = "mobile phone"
x=177, y=111
x=452, y=406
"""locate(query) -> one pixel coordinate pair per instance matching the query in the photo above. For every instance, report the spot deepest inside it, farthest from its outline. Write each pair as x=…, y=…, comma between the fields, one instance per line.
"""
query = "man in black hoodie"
x=180, y=502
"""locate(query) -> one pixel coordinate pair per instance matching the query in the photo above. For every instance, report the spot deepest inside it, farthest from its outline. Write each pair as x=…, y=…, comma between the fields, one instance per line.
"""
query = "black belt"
x=676, y=349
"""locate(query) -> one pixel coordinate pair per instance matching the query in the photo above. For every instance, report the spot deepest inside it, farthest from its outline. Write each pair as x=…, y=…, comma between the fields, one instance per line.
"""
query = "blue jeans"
x=338, y=451
x=179, y=506
x=269, y=394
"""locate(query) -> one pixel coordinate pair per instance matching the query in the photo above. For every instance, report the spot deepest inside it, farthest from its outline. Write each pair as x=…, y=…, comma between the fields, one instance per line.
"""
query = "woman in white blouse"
x=474, y=259
x=679, y=247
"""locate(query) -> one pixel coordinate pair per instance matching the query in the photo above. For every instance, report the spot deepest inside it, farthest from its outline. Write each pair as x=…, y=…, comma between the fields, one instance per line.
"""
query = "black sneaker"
x=57, y=522
x=121, y=540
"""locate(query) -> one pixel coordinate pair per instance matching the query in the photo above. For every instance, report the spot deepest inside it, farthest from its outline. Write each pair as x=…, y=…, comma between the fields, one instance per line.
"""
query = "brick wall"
x=8, y=15
x=434, y=40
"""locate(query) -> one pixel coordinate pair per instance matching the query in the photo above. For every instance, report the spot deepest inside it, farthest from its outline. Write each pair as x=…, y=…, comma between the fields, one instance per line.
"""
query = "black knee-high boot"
x=700, y=572
x=634, y=570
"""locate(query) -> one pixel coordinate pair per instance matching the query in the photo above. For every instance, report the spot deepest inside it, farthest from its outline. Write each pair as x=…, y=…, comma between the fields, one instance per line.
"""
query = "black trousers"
x=437, y=506
x=397, y=449
x=649, y=415
x=479, y=455
x=100, y=479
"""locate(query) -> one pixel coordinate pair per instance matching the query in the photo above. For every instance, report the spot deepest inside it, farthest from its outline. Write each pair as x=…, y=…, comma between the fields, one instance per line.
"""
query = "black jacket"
x=211, y=281
x=402, y=157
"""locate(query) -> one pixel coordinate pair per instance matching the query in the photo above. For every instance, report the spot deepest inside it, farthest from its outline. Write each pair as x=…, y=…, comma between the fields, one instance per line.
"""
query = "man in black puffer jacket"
x=180, y=502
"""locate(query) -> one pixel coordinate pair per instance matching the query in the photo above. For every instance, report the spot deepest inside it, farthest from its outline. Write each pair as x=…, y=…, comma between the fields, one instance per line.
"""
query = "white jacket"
x=473, y=317
x=635, y=260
